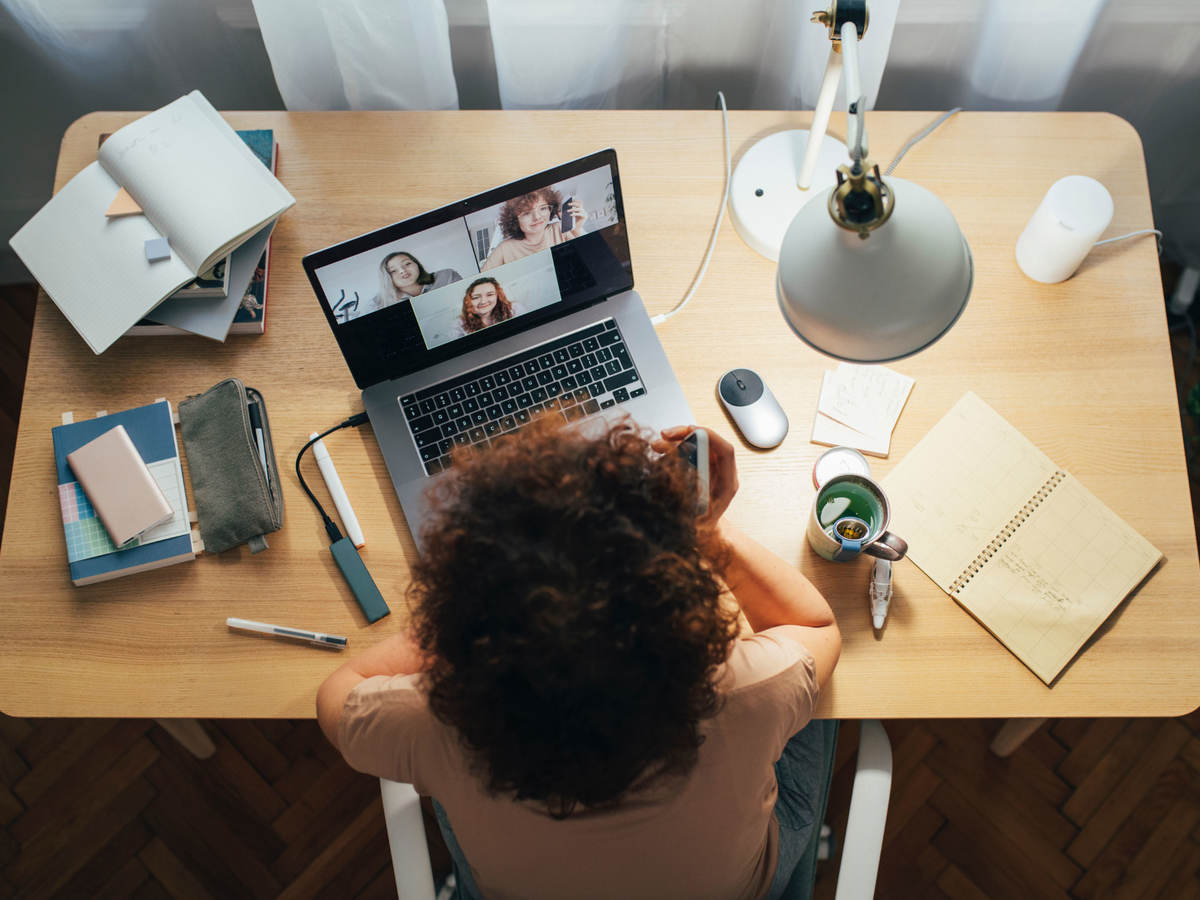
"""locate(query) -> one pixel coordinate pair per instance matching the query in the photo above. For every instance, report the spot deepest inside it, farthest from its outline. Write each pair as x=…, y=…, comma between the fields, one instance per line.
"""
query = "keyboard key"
x=502, y=378
x=454, y=410
x=444, y=445
x=458, y=394
x=561, y=355
x=609, y=338
x=441, y=401
x=612, y=367
x=605, y=404
x=420, y=423
x=463, y=422
x=485, y=399
x=596, y=388
x=559, y=372
x=472, y=389
x=531, y=367
x=581, y=395
x=427, y=406
x=470, y=405
x=539, y=395
x=590, y=407
x=620, y=395
x=629, y=376
x=491, y=428
x=611, y=324
x=621, y=355
x=462, y=439
x=493, y=411
x=529, y=382
x=500, y=393
x=408, y=400
x=545, y=360
x=597, y=372
x=412, y=411
x=574, y=367
x=516, y=373
x=584, y=377
x=566, y=401
x=487, y=382
x=449, y=430
x=509, y=405
x=637, y=392
x=553, y=389
x=440, y=417
x=478, y=417
x=428, y=438
x=589, y=360
x=573, y=413
x=575, y=350
x=522, y=417
x=569, y=383
x=476, y=435
x=433, y=466
x=508, y=423
x=524, y=401
x=544, y=377
x=430, y=451
x=591, y=344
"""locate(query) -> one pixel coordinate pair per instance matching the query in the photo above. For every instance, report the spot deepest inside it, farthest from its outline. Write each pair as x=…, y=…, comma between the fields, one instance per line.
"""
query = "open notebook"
x=1021, y=544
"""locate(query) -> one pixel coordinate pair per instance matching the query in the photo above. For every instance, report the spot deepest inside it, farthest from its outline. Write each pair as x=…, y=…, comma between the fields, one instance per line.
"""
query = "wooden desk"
x=1083, y=368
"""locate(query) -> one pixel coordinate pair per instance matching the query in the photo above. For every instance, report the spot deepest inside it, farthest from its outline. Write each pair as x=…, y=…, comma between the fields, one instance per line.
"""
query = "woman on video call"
x=484, y=304
x=532, y=223
x=403, y=277
x=575, y=691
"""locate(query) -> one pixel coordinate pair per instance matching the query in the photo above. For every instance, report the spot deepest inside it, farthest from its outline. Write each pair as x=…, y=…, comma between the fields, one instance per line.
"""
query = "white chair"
x=860, y=849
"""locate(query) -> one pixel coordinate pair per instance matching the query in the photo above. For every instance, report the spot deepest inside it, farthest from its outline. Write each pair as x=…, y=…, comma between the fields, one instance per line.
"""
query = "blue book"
x=91, y=554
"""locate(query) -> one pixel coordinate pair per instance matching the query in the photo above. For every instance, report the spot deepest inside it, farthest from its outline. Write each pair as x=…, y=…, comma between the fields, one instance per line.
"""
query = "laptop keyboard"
x=576, y=375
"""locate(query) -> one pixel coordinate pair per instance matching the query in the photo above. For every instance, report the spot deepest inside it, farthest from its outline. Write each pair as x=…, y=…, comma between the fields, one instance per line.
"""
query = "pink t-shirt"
x=711, y=833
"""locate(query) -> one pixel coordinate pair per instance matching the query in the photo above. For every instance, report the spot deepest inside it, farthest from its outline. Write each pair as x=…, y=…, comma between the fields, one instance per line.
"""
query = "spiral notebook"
x=1021, y=544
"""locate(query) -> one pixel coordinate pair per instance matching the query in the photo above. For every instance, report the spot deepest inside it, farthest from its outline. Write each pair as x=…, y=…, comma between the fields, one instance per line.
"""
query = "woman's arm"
x=396, y=655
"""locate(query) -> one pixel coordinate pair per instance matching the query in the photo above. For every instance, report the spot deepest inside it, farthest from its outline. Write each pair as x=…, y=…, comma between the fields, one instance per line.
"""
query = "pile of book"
x=168, y=232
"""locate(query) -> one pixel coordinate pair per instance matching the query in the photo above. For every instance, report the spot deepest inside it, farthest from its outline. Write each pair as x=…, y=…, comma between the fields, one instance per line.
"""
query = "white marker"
x=880, y=591
x=340, y=500
x=335, y=641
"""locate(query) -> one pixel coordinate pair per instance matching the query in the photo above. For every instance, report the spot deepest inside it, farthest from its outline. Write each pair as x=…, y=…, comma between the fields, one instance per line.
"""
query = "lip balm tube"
x=340, y=500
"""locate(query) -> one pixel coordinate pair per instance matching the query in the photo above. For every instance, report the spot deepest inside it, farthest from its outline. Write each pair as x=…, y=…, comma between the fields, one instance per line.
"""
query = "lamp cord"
x=331, y=528
x=1121, y=237
x=662, y=317
x=919, y=137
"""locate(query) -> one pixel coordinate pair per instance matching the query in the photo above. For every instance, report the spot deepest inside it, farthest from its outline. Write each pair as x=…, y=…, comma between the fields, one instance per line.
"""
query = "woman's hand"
x=722, y=469
x=578, y=217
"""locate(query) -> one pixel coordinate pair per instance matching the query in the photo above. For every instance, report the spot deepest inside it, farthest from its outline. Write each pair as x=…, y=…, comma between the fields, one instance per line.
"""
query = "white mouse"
x=753, y=408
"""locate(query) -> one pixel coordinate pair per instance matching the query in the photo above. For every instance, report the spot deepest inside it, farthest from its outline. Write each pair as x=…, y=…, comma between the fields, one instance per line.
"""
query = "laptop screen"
x=440, y=284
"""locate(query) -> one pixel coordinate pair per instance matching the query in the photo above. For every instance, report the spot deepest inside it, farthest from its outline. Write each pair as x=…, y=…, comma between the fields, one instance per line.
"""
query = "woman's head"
x=572, y=613
x=484, y=304
x=403, y=275
x=528, y=216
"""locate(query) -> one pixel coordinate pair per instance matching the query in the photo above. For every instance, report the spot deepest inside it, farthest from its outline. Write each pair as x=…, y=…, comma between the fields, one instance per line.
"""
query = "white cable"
x=1122, y=237
x=924, y=134
x=662, y=317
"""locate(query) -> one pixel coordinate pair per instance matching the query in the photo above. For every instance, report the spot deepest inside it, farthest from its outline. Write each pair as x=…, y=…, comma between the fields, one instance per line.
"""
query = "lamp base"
x=763, y=196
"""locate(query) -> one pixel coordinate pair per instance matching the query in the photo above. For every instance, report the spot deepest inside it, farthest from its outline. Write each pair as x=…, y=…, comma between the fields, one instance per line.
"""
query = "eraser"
x=158, y=249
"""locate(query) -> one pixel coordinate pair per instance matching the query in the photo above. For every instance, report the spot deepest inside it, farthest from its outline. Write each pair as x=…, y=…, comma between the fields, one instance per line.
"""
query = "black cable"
x=331, y=528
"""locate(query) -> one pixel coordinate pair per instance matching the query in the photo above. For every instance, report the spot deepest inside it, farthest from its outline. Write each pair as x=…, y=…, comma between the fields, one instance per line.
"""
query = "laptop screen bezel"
x=367, y=367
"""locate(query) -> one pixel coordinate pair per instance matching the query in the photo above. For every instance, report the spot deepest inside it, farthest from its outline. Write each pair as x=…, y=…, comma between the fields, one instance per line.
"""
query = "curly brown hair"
x=513, y=208
x=503, y=311
x=572, y=612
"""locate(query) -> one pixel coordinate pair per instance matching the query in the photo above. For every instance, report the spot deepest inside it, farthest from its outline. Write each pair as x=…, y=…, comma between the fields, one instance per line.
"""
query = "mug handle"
x=887, y=546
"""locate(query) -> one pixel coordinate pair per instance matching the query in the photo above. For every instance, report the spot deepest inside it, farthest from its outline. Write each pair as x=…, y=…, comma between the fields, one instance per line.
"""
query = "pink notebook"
x=120, y=487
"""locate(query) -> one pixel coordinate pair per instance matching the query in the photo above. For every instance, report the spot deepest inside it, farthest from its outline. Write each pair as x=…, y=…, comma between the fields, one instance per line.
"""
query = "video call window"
x=471, y=273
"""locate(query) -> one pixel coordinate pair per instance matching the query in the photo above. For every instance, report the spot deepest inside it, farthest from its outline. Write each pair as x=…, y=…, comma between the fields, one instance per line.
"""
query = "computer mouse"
x=753, y=408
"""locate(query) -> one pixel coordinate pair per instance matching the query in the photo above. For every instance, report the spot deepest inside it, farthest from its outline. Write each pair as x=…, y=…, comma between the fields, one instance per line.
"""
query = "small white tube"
x=340, y=500
x=1064, y=228
x=820, y=122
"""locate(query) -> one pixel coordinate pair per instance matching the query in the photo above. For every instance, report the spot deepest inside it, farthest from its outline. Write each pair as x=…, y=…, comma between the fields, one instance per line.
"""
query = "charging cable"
x=345, y=554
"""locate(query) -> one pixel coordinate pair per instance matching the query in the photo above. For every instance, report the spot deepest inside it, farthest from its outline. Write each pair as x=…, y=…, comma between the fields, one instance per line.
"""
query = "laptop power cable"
x=345, y=554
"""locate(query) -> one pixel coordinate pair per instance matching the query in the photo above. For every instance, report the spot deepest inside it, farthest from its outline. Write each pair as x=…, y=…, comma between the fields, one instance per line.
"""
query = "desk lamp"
x=870, y=270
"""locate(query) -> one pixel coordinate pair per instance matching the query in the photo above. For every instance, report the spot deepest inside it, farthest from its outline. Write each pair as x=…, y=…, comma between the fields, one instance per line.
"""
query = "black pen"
x=256, y=425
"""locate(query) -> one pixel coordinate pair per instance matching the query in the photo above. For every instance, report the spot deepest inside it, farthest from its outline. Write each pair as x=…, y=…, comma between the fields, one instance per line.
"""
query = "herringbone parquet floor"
x=1086, y=808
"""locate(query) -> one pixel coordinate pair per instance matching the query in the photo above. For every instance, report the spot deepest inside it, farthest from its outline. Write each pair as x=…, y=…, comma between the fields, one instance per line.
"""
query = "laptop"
x=461, y=324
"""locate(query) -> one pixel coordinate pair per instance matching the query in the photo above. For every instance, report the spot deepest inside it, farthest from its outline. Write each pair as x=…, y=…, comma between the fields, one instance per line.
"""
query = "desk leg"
x=1012, y=734
x=189, y=733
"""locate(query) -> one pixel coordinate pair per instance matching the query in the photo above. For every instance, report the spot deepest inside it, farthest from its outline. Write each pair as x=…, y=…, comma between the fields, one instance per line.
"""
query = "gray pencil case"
x=236, y=487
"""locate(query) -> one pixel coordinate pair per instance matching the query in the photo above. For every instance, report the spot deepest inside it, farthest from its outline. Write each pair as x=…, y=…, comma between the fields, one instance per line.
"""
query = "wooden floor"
x=1086, y=808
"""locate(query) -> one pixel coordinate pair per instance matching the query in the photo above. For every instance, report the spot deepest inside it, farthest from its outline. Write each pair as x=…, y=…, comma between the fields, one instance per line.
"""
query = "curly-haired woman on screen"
x=575, y=693
x=531, y=223
x=484, y=304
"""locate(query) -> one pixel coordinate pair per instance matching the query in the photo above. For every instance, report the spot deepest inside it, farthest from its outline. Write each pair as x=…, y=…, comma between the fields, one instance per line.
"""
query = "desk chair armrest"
x=406, y=836
x=868, y=814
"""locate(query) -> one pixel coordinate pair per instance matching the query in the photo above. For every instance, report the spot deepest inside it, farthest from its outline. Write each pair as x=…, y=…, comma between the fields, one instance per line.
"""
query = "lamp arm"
x=820, y=122
x=856, y=100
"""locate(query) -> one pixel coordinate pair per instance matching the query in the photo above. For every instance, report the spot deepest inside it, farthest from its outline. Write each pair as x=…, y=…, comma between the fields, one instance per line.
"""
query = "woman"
x=403, y=277
x=575, y=694
x=484, y=304
x=530, y=223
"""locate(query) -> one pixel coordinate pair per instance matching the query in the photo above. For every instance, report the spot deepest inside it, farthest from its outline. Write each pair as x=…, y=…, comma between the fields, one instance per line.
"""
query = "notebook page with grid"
x=1021, y=544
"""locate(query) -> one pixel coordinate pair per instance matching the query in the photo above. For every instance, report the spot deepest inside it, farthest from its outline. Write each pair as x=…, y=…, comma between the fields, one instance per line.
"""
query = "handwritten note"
x=859, y=407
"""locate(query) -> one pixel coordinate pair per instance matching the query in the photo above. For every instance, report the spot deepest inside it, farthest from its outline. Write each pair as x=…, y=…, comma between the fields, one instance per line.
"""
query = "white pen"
x=880, y=591
x=313, y=637
x=340, y=500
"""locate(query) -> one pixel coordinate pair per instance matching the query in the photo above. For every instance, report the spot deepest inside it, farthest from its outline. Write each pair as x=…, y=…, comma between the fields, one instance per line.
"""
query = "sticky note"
x=157, y=249
x=123, y=205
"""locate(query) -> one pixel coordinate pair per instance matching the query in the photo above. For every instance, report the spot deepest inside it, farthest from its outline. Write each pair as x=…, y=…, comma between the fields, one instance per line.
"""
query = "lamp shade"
x=878, y=299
